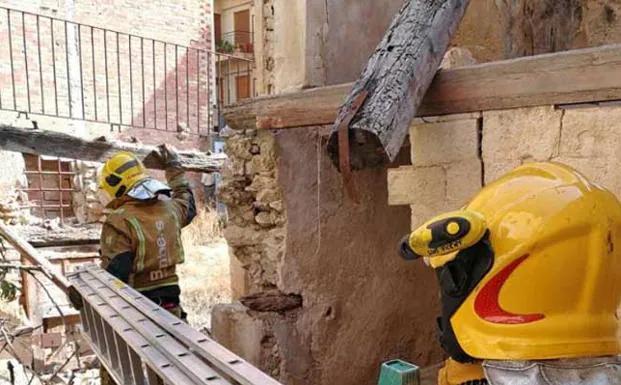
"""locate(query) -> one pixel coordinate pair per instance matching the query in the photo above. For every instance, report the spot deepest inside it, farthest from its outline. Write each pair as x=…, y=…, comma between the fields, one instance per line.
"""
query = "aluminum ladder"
x=140, y=343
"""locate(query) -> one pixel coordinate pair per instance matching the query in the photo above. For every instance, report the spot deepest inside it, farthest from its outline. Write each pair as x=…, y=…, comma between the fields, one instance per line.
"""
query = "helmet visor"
x=148, y=189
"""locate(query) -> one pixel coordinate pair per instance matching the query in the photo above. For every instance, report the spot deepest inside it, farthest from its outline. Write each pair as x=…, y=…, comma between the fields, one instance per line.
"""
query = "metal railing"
x=58, y=68
x=235, y=42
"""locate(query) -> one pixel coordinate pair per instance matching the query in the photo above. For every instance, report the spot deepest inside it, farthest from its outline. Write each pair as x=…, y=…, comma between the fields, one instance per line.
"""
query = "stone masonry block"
x=591, y=132
x=603, y=171
x=494, y=169
x=523, y=133
x=463, y=181
x=444, y=142
x=239, y=278
x=422, y=213
x=233, y=327
x=420, y=185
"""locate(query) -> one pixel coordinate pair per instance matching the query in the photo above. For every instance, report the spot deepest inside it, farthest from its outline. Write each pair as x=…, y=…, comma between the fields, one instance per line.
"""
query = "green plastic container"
x=397, y=372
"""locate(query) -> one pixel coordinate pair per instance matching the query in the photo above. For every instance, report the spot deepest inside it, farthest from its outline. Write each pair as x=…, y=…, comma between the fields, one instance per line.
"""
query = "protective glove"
x=75, y=298
x=166, y=155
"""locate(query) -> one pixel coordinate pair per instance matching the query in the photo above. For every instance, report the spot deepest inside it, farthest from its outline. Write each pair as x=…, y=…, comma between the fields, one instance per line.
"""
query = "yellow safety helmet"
x=120, y=173
x=530, y=269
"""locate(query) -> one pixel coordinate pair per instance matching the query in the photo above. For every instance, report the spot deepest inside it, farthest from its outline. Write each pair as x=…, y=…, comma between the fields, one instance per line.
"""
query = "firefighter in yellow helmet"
x=141, y=237
x=530, y=278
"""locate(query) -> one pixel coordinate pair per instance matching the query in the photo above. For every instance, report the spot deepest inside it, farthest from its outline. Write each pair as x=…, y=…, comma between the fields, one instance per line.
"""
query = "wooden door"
x=217, y=28
x=221, y=92
x=242, y=87
x=242, y=27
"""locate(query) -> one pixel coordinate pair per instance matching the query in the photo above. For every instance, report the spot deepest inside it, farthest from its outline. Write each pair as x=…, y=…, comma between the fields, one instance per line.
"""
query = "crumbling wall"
x=12, y=178
x=257, y=223
x=292, y=231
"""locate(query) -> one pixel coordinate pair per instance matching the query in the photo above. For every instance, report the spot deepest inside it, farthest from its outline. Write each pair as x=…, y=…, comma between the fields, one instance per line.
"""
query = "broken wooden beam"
x=272, y=301
x=577, y=76
x=33, y=256
x=394, y=81
x=42, y=142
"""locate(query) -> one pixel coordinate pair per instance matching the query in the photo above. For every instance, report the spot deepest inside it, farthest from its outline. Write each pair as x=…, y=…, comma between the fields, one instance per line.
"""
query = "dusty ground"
x=205, y=276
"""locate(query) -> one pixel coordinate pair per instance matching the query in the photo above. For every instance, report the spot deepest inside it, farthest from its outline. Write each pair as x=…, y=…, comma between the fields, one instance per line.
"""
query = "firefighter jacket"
x=141, y=240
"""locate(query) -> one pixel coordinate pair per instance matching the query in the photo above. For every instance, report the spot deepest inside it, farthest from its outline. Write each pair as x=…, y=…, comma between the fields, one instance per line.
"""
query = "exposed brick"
x=99, y=94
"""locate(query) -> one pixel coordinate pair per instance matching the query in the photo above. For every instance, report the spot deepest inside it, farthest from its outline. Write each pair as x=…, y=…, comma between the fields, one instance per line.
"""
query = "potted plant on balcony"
x=225, y=46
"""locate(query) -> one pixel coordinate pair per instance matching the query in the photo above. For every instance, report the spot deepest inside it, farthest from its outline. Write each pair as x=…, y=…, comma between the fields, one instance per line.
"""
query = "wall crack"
x=557, y=151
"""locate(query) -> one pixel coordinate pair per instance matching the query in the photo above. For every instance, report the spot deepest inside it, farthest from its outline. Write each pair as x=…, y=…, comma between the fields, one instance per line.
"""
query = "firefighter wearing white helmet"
x=530, y=277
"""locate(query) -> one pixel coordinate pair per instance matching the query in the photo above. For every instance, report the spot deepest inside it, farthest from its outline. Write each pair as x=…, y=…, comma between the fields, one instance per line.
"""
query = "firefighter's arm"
x=182, y=195
x=117, y=248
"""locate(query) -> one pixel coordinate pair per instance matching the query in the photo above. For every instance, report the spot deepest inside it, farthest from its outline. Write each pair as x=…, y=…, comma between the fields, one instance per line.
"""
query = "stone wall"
x=292, y=231
x=256, y=227
x=454, y=156
x=446, y=166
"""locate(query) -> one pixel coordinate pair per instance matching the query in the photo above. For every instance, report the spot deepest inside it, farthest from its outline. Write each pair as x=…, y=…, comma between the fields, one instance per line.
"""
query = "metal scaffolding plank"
x=114, y=326
x=129, y=331
x=221, y=358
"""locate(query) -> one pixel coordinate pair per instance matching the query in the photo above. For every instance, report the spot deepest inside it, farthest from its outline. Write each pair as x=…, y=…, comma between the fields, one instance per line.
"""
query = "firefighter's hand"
x=166, y=155
x=75, y=298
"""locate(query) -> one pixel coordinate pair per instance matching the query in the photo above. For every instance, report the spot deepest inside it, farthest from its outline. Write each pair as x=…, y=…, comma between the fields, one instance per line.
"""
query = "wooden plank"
x=39, y=236
x=394, y=83
x=42, y=142
x=50, y=323
x=577, y=76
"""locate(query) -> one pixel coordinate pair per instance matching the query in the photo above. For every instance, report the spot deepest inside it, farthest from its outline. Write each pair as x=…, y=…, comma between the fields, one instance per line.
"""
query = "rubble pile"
x=14, y=208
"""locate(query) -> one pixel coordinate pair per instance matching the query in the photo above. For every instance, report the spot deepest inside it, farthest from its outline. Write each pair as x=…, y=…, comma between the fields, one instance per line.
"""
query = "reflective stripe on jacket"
x=150, y=231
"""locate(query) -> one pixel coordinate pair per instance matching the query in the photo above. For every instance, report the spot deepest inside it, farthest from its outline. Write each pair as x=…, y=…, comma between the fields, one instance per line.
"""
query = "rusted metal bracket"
x=344, y=154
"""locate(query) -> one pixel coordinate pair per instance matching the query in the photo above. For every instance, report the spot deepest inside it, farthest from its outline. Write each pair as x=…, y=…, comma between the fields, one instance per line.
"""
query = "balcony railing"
x=235, y=42
x=58, y=68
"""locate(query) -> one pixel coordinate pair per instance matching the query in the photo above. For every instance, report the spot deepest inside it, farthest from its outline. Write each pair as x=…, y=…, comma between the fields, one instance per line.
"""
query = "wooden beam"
x=39, y=236
x=379, y=109
x=577, y=76
x=272, y=300
x=42, y=142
